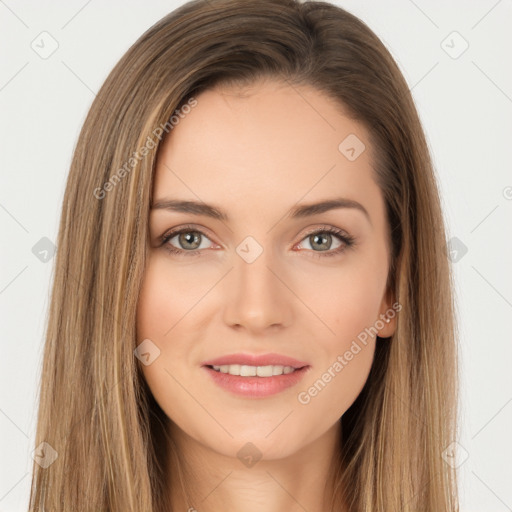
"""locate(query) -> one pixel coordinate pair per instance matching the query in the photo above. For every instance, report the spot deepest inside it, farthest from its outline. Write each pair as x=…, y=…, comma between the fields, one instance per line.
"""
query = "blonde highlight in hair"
x=95, y=408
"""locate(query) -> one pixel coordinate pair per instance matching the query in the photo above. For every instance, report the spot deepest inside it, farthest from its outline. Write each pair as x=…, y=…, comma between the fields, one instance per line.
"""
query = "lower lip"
x=256, y=387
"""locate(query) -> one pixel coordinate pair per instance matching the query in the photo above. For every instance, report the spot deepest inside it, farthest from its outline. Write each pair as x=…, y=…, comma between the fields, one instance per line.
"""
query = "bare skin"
x=256, y=156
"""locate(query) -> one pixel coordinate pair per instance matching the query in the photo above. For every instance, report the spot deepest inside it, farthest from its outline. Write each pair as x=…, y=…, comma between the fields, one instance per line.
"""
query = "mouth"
x=254, y=360
x=243, y=370
x=255, y=381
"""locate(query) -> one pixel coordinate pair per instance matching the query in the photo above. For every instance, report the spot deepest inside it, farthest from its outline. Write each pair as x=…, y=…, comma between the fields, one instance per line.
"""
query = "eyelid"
x=325, y=227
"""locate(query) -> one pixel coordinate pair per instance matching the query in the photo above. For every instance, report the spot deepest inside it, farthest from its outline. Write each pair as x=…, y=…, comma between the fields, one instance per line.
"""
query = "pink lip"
x=256, y=387
x=256, y=360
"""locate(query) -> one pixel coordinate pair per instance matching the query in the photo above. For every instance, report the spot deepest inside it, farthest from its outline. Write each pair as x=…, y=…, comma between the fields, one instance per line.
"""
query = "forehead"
x=268, y=146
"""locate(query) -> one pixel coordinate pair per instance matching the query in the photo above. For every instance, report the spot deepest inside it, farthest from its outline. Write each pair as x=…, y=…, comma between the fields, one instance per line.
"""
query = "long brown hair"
x=104, y=436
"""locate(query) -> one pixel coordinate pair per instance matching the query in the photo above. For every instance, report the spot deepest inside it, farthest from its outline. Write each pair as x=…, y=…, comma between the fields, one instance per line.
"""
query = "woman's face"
x=263, y=279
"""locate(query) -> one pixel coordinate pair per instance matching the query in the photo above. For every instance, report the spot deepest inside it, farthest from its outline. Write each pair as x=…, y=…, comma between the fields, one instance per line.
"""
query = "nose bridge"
x=256, y=298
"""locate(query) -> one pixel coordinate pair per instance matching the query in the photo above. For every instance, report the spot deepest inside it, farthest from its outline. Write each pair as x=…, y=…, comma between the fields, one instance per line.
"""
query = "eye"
x=188, y=238
x=190, y=241
x=322, y=239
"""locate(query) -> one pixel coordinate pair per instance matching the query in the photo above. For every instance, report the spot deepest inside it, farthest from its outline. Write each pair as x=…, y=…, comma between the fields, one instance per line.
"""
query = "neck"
x=206, y=480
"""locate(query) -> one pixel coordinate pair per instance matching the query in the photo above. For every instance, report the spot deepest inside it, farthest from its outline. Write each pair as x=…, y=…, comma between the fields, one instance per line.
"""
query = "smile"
x=253, y=371
x=255, y=381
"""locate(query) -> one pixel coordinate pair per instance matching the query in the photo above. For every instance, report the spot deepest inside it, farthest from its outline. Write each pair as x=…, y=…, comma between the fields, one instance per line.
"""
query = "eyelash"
x=348, y=241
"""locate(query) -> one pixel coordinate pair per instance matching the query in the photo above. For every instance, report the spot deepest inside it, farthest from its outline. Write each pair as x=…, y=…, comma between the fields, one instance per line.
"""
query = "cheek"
x=331, y=390
x=159, y=311
x=345, y=303
x=346, y=349
x=168, y=294
x=348, y=307
x=169, y=313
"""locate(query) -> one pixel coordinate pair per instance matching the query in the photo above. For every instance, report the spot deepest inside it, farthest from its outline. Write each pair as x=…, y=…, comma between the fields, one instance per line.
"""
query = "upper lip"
x=256, y=360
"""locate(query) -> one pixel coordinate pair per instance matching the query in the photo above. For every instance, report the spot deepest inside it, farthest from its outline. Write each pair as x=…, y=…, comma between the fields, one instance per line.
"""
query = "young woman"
x=252, y=305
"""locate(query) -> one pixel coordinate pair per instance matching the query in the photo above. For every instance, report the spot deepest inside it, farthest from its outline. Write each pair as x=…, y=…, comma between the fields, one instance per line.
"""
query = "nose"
x=257, y=296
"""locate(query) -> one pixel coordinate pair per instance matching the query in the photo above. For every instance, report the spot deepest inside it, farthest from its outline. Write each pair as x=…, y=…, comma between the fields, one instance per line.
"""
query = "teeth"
x=253, y=371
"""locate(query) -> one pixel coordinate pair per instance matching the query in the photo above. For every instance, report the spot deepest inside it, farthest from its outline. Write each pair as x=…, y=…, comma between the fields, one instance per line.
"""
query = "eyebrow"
x=301, y=211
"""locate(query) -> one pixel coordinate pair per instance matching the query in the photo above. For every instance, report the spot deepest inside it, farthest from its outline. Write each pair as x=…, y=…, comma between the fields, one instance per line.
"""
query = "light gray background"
x=465, y=105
